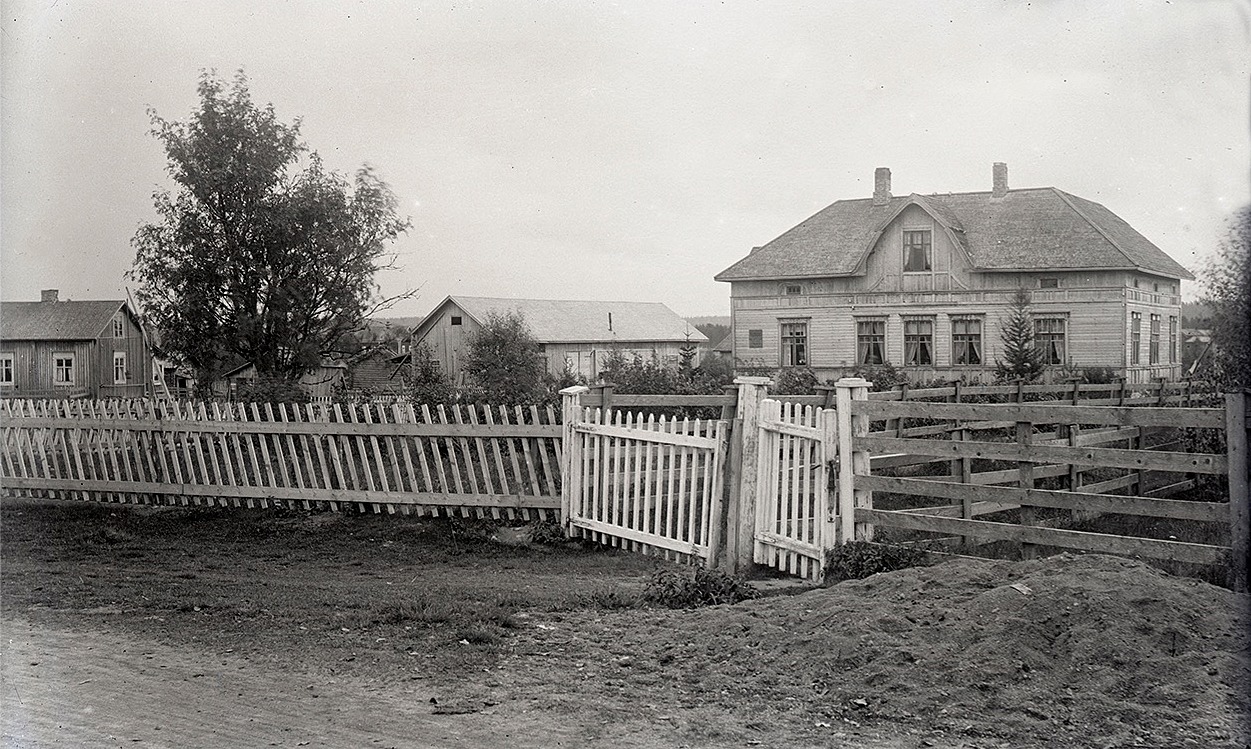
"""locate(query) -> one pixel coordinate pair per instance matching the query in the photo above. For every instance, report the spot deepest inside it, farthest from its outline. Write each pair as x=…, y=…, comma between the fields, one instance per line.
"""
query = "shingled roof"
x=56, y=321
x=1026, y=229
x=565, y=321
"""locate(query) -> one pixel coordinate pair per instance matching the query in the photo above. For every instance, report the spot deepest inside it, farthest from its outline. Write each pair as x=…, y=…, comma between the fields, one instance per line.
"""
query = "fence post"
x=570, y=414
x=1236, y=406
x=744, y=460
x=852, y=460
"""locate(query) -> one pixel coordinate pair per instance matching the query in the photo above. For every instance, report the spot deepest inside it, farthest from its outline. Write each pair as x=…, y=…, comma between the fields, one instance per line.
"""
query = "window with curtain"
x=916, y=251
x=918, y=342
x=1049, y=339
x=1153, y=348
x=966, y=341
x=63, y=369
x=1135, y=337
x=794, y=344
x=870, y=341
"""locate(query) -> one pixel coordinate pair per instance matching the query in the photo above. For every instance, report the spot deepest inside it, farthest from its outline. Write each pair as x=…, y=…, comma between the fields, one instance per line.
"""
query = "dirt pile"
x=1069, y=650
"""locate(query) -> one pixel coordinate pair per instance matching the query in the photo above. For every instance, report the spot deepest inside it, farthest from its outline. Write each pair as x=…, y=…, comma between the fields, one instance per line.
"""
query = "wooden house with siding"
x=574, y=335
x=923, y=282
x=63, y=349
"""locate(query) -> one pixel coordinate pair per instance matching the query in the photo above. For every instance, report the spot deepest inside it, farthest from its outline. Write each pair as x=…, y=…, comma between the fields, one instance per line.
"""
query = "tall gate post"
x=744, y=460
x=1236, y=407
x=570, y=481
x=852, y=460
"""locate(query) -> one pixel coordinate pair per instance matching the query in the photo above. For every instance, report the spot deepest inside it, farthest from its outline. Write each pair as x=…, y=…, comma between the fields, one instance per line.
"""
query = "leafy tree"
x=424, y=379
x=1021, y=359
x=1227, y=291
x=260, y=253
x=504, y=363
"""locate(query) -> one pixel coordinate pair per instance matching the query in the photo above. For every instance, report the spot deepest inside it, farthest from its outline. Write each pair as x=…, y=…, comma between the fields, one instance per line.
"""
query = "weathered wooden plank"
x=289, y=427
x=1211, y=418
x=667, y=438
x=631, y=534
x=795, y=430
x=792, y=545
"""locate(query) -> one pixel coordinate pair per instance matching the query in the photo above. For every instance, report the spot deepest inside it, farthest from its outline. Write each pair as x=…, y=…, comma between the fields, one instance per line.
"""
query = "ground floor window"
x=62, y=369
x=794, y=344
x=918, y=342
x=1153, y=348
x=1172, y=339
x=119, y=367
x=1049, y=339
x=755, y=338
x=870, y=341
x=6, y=369
x=966, y=341
x=1135, y=337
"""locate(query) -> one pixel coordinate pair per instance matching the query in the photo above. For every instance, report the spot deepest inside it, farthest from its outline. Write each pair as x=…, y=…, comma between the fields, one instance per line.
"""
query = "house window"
x=119, y=330
x=1135, y=337
x=916, y=246
x=794, y=344
x=1172, y=339
x=966, y=341
x=62, y=369
x=1153, y=348
x=1048, y=283
x=793, y=289
x=755, y=338
x=6, y=369
x=918, y=342
x=456, y=319
x=119, y=367
x=870, y=341
x=1155, y=287
x=1049, y=339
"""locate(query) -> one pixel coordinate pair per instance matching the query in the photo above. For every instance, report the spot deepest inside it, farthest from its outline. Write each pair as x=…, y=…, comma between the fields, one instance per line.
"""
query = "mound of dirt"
x=1069, y=650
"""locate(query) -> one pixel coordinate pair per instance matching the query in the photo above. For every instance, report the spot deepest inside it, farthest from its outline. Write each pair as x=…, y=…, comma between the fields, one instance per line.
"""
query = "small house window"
x=1049, y=339
x=456, y=319
x=6, y=369
x=794, y=289
x=1048, y=283
x=1153, y=348
x=1135, y=337
x=966, y=341
x=918, y=342
x=916, y=246
x=62, y=369
x=119, y=330
x=1135, y=283
x=755, y=338
x=1172, y=339
x=119, y=367
x=1155, y=287
x=870, y=341
x=794, y=344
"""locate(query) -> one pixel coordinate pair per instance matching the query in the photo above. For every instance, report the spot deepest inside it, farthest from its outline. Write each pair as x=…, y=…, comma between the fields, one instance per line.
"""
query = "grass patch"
x=681, y=589
x=858, y=559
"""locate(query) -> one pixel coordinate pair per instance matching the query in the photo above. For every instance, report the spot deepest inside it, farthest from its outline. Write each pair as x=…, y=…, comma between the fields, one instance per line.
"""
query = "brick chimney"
x=881, y=186
x=48, y=295
x=1000, y=175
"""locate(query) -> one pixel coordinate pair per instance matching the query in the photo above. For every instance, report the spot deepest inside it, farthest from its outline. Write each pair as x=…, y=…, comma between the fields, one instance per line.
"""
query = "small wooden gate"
x=649, y=484
x=794, y=512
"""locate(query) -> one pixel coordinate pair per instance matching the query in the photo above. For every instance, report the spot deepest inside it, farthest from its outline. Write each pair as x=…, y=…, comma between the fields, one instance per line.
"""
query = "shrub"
x=680, y=589
x=548, y=533
x=272, y=390
x=857, y=559
x=424, y=379
x=795, y=381
x=881, y=376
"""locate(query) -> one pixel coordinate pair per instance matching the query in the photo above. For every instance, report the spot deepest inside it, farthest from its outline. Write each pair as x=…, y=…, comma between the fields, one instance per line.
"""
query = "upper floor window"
x=456, y=319
x=1155, y=287
x=1049, y=339
x=794, y=344
x=916, y=248
x=870, y=341
x=1135, y=337
x=966, y=340
x=6, y=369
x=119, y=367
x=1048, y=283
x=918, y=342
x=755, y=338
x=793, y=289
x=62, y=369
x=119, y=329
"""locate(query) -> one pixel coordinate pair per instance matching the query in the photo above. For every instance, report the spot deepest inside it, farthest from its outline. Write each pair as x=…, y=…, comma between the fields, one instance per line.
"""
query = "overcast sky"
x=627, y=150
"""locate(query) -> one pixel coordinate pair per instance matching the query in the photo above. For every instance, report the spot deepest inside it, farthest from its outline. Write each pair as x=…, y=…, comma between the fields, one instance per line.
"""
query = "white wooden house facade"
x=923, y=282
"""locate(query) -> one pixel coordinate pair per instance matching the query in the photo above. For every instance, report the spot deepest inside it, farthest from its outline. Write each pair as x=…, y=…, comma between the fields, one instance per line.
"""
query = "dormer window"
x=916, y=249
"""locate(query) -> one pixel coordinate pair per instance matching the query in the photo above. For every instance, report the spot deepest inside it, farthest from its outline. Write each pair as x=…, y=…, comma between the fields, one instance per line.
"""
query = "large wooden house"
x=574, y=335
x=56, y=349
x=923, y=282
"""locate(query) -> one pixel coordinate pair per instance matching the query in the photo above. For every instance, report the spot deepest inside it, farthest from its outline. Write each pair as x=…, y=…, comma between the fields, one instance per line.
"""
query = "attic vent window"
x=456, y=319
x=794, y=289
x=916, y=246
x=1048, y=283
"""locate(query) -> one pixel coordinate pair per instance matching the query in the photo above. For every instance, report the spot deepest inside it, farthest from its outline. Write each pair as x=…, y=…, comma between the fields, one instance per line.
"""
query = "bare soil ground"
x=193, y=627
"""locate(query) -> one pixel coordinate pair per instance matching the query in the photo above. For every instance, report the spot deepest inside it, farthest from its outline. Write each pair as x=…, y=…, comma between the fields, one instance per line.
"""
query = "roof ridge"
x=1065, y=197
x=538, y=299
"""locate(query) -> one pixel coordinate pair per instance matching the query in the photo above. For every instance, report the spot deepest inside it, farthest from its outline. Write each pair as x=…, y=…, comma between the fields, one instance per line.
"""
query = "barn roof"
x=56, y=321
x=1026, y=229
x=566, y=321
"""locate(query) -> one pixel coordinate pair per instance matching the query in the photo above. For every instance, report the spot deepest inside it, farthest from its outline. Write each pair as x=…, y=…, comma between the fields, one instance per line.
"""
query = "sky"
x=624, y=150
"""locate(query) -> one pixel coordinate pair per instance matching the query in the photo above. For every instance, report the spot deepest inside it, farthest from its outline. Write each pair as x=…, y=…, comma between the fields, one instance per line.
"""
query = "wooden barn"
x=923, y=282
x=63, y=349
x=575, y=335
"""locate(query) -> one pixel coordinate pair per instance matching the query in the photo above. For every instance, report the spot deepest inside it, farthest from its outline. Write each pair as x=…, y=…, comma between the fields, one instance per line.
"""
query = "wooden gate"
x=794, y=512
x=649, y=484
